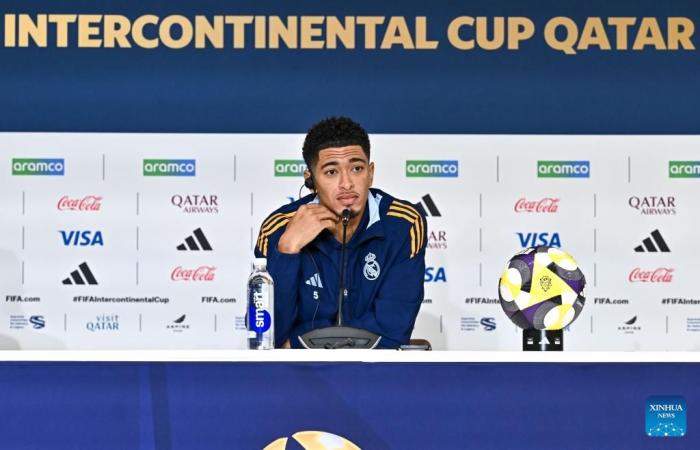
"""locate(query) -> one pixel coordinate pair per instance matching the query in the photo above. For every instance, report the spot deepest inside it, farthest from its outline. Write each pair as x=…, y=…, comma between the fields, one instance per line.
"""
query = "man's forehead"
x=341, y=153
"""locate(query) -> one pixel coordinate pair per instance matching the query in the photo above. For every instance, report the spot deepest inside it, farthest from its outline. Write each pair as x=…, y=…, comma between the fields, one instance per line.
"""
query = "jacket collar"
x=370, y=226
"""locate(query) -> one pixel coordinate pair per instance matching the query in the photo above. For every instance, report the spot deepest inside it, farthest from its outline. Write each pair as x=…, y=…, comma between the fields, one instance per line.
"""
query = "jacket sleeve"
x=394, y=310
x=285, y=271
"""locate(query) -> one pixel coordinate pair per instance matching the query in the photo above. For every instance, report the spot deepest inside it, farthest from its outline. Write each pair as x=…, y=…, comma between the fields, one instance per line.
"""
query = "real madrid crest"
x=371, y=269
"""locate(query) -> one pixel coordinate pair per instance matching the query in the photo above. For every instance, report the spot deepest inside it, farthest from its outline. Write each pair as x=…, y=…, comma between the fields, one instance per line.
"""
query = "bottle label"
x=259, y=319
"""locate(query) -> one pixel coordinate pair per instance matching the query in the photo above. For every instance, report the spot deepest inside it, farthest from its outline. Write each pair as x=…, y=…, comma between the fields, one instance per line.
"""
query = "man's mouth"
x=347, y=199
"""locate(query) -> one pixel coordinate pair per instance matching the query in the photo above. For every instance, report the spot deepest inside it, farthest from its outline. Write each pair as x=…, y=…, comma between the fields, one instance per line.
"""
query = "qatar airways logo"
x=545, y=205
x=201, y=273
x=660, y=275
x=88, y=203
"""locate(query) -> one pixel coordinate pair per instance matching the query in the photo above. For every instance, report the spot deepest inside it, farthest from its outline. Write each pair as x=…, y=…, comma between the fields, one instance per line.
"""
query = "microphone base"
x=339, y=337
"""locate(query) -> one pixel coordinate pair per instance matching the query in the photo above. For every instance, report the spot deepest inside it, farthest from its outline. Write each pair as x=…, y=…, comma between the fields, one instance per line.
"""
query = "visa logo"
x=536, y=239
x=435, y=274
x=81, y=238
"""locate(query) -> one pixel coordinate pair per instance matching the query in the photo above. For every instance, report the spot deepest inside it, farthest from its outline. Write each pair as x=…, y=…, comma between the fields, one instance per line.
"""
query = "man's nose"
x=345, y=180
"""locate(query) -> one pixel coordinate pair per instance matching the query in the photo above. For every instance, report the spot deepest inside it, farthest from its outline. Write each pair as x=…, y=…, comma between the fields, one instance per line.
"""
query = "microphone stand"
x=340, y=336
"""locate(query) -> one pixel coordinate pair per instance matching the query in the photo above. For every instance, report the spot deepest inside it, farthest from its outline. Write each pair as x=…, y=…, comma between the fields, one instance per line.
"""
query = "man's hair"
x=333, y=132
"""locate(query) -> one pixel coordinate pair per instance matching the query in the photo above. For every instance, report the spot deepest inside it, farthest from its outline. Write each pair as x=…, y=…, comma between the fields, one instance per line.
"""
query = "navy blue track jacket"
x=384, y=278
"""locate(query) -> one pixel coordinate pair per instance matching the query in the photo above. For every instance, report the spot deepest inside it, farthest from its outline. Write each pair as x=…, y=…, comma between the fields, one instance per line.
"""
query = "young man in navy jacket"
x=385, y=245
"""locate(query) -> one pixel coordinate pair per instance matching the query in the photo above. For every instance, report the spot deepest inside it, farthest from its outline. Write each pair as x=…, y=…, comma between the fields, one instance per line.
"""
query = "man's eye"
x=330, y=172
x=358, y=169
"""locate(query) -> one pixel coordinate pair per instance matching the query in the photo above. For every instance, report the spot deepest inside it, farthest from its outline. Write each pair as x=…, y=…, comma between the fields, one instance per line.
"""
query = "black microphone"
x=345, y=217
x=338, y=335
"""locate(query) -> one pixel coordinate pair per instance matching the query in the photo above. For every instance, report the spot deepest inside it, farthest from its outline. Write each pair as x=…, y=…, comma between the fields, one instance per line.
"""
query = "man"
x=385, y=245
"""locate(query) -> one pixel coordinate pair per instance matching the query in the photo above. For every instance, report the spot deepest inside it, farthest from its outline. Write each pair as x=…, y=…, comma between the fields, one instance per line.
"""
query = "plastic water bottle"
x=261, y=308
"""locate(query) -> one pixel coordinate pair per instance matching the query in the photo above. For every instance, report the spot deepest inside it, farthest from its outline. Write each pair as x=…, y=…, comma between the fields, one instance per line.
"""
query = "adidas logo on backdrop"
x=191, y=242
x=81, y=276
x=648, y=244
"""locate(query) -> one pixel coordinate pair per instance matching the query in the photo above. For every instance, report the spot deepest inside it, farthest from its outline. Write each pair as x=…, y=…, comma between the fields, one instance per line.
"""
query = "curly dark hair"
x=333, y=132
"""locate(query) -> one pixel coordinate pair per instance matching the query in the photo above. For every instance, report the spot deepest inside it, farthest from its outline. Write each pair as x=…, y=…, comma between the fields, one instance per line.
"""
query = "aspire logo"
x=169, y=167
x=38, y=166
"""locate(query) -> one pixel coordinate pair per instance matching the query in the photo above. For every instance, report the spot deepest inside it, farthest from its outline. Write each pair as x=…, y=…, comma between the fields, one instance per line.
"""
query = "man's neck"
x=353, y=223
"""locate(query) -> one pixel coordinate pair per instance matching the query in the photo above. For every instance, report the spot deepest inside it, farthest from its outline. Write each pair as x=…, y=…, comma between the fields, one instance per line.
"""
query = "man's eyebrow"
x=329, y=163
x=351, y=160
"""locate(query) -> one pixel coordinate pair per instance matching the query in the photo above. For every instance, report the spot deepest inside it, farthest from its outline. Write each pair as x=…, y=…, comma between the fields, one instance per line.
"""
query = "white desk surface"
x=368, y=356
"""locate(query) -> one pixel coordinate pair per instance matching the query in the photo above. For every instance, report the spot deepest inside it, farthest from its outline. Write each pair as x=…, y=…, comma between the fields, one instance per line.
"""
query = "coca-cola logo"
x=545, y=205
x=660, y=275
x=87, y=203
x=201, y=273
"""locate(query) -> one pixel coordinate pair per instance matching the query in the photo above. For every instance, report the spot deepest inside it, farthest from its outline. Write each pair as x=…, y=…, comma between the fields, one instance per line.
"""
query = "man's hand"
x=306, y=224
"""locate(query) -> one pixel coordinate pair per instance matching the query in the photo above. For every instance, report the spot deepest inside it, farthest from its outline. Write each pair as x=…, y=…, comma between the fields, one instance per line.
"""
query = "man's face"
x=343, y=176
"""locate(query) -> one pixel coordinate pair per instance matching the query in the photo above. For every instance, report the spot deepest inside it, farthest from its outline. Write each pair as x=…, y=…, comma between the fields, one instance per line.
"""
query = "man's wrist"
x=284, y=246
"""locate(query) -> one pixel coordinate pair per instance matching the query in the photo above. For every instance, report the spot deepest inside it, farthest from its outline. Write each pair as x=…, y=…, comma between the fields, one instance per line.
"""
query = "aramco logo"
x=313, y=440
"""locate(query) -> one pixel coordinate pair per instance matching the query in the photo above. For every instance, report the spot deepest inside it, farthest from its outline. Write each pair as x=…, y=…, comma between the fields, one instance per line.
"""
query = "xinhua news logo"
x=563, y=169
x=444, y=169
x=169, y=167
x=665, y=416
x=38, y=166
x=684, y=169
x=289, y=167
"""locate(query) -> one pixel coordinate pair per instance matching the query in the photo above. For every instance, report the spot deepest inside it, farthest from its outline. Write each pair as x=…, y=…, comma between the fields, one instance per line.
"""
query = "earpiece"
x=309, y=182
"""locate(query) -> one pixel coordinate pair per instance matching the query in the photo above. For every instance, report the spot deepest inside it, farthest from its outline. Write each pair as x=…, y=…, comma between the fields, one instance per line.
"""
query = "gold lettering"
x=593, y=33
x=10, y=30
x=166, y=28
x=550, y=34
x=397, y=34
x=137, y=31
x=309, y=31
x=62, y=21
x=278, y=29
x=649, y=34
x=88, y=29
x=206, y=31
x=260, y=39
x=37, y=31
x=519, y=29
x=621, y=25
x=370, y=23
x=482, y=33
x=422, y=42
x=680, y=31
x=453, y=33
x=116, y=31
x=345, y=33
x=239, y=23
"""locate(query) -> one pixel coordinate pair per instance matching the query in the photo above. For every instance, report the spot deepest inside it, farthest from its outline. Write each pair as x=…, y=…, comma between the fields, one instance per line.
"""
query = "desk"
x=216, y=400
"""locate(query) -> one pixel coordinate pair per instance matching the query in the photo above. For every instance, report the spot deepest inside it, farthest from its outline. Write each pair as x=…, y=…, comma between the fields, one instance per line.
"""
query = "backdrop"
x=133, y=187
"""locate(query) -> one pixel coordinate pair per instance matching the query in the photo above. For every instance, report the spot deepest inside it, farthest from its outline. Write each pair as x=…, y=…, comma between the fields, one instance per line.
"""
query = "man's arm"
x=281, y=238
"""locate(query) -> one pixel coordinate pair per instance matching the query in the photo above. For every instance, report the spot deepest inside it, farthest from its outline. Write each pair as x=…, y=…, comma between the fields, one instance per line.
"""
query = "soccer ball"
x=542, y=288
x=312, y=440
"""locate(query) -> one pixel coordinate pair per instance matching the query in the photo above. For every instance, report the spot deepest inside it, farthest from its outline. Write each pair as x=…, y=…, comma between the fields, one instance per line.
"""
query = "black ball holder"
x=543, y=340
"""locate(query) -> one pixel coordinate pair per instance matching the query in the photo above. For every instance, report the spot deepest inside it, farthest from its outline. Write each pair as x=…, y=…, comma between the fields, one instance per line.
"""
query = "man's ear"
x=371, y=173
x=309, y=180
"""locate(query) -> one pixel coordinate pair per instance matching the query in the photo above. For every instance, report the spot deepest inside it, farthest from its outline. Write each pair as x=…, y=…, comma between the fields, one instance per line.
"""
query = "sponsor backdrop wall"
x=145, y=240
x=133, y=187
